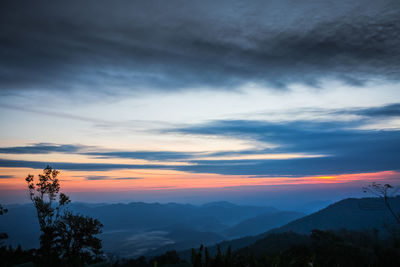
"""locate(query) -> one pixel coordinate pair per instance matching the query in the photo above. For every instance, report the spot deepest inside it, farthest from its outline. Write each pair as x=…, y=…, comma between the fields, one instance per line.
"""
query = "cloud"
x=75, y=166
x=101, y=177
x=271, y=168
x=345, y=148
x=392, y=110
x=47, y=148
x=342, y=147
x=296, y=136
x=127, y=178
x=41, y=148
x=147, y=155
x=95, y=178
x=7, y=176
x=320, y=137
x=134, y=46
x=371, y=158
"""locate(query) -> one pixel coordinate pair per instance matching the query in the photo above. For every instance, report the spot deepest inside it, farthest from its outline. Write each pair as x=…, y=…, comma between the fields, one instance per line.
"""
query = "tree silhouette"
x=219, y=259
x=66, y=238
x=196, y=258
x=2, y=212
x=385, y=192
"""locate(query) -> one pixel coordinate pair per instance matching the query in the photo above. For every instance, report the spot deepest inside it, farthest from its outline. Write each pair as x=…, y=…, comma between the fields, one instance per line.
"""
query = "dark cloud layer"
x=342, y=149
x=103, y=177
x=341, y=146
x=47, y=148
x=101, y=46
x=384, y=111
x=74, y=166
x=329, y=138
x=345, y=148
x=6, y=176
x=41, y=148
x=147, y=155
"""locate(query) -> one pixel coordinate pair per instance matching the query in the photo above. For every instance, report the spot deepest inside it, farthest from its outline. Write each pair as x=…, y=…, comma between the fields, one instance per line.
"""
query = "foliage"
x=12, y=257
x=385, y=192
x=2, y=212
x=67, y=239
x=219, y=260
x=170, y=258
x=320, y=248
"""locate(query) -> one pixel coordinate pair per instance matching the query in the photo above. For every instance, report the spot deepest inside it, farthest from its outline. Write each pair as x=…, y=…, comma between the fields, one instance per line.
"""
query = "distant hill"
x=262, y=223
x=351, y=214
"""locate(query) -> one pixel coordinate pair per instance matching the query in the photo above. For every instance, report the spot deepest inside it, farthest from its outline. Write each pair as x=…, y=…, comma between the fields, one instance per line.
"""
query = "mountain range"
x=139, y=228
x=354, y=214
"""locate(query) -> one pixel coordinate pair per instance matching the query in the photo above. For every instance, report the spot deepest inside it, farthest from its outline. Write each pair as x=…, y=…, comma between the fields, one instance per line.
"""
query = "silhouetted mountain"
x=313, y=206
x=351, y=214
x=262, y=223
x=224, y=204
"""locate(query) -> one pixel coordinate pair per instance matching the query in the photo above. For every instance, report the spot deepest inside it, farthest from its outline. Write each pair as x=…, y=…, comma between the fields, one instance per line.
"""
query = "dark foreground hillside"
x=320, y=248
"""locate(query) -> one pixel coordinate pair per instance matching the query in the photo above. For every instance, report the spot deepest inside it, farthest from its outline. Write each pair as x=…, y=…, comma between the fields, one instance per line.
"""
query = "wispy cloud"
x=147, y=155
x=97, y=152
x=76, y=166
x=103, y=177
x=392, y=110
x=41, y=148
x=7, y=176
x=96, y=122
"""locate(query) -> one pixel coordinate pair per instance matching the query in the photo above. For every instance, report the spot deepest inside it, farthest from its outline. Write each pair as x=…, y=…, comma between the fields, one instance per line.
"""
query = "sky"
x=263, y=102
